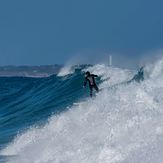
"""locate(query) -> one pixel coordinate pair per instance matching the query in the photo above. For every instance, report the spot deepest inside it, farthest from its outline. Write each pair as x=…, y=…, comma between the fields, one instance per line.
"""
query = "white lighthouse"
x=110, y=60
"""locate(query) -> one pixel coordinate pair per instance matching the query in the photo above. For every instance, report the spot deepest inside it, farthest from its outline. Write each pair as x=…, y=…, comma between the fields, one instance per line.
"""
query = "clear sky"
x=35, y=32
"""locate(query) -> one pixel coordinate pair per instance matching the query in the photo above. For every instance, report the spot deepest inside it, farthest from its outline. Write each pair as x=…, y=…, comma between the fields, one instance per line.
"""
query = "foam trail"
x=121, y=125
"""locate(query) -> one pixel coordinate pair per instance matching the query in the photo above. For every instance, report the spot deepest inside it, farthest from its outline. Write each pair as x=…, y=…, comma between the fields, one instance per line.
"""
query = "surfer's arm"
x=94, y=75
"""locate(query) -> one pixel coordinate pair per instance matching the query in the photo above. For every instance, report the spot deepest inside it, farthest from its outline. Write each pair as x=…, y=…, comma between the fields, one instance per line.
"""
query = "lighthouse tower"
x=110, y=60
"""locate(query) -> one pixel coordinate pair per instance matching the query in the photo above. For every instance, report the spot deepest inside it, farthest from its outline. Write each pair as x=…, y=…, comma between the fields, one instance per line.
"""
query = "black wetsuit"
x=91, y=79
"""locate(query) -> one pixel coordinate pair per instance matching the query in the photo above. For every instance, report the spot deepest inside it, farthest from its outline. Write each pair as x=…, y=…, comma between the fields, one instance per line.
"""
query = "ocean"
x=53, y=119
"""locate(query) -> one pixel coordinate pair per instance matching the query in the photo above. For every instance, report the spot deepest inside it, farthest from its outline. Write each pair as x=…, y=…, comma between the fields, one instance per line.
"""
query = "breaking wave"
x=121, y=124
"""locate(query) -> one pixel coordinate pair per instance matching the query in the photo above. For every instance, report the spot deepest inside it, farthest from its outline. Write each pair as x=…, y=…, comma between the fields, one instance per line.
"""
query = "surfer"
x=91, y=79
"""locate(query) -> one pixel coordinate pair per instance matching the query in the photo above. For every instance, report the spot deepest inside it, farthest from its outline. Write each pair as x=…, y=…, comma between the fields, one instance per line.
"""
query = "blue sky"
x=35, y=32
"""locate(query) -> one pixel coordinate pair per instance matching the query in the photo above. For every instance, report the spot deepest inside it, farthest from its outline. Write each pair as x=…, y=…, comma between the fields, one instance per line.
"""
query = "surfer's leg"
x=96, y=88
x=91, y=89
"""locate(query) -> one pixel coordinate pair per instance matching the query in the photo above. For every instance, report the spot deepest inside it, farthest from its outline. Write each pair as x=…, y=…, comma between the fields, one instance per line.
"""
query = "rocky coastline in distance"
x=29, y=71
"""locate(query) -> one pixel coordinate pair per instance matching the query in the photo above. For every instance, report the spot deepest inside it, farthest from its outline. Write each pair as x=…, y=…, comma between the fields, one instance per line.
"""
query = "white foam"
x=120, y=125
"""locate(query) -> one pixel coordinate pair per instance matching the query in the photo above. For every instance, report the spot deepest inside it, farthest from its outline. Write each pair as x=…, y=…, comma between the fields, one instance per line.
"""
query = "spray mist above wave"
x=70, y=69
x=120, y=125
x=66, y=70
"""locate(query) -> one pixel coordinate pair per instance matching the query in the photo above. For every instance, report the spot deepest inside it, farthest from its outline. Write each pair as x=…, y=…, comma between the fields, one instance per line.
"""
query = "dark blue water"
x=28, y=101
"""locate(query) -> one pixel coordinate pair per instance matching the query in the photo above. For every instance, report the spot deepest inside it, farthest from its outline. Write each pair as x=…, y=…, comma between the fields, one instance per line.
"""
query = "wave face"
x=59, y=124
x=31, y=101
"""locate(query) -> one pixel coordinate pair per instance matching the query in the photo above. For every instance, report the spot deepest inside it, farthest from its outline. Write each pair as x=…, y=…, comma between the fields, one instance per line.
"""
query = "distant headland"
x=29, y=71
